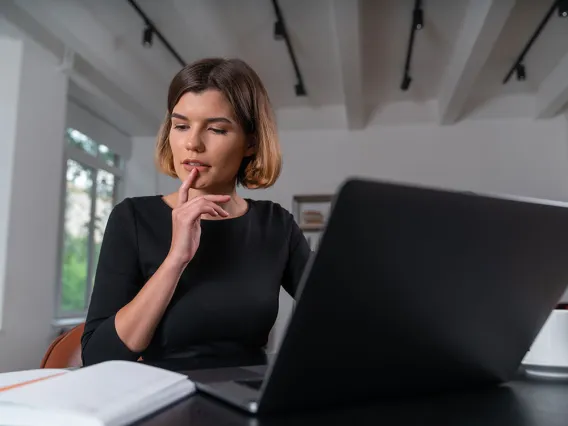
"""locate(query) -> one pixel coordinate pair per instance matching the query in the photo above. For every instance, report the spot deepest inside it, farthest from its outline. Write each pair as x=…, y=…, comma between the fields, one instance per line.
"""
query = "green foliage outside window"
x=83, y=230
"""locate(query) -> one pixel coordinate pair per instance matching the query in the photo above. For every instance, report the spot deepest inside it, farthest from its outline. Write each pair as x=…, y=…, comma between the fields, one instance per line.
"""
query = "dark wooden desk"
x=521, y=402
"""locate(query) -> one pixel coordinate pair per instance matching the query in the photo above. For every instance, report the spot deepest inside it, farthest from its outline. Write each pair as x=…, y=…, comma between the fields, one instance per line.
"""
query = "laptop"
x=413, y=290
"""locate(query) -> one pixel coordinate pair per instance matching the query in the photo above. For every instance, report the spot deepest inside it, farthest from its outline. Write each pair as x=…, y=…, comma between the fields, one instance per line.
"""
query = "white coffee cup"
x=548, y=355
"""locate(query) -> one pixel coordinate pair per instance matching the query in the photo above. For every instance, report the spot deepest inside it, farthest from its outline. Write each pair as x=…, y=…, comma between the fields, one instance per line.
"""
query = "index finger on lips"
x=185, y=186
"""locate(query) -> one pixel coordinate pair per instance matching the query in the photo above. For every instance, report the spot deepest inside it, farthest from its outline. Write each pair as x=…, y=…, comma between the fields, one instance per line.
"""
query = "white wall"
x=516, y=156
x=9, y=86
x=35, y=131
x=140, y=177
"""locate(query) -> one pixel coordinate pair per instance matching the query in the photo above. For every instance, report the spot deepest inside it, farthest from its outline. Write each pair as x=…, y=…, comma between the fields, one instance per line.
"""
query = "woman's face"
x=206, y=135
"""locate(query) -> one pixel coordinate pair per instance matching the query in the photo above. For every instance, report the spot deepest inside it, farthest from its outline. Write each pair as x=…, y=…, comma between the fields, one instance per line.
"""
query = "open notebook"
x=106, y=394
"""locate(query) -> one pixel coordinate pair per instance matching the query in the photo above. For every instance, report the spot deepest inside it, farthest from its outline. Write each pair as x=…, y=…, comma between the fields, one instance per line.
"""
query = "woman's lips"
x=190, y=167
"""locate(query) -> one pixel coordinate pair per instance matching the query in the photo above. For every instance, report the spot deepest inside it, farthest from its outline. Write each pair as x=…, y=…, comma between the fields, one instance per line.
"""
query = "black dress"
x=226, y=301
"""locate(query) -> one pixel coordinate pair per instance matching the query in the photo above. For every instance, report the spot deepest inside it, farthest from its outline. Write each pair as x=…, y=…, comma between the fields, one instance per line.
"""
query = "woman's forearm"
x=137, y=321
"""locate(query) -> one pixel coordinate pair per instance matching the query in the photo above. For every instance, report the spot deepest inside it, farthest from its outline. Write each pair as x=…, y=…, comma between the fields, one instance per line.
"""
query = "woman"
x=197, y=273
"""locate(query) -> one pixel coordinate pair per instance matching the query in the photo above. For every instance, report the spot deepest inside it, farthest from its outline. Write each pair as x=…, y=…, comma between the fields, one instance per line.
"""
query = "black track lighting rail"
x=518, y=66
x=417, y=25
x=150, y=27
x=281, y=31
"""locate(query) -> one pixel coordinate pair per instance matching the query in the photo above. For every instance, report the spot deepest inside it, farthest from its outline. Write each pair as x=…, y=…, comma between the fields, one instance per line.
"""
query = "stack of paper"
x=21, y=378
x=105, y=394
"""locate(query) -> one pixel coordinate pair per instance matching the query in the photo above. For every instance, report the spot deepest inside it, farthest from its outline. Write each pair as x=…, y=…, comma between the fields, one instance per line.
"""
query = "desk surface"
x=520, y=402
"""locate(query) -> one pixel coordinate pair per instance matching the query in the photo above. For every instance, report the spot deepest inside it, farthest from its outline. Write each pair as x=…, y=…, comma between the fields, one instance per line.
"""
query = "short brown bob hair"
x=244, y=90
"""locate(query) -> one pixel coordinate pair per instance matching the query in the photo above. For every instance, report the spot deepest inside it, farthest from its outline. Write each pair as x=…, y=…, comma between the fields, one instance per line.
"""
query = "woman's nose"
x=194, y=142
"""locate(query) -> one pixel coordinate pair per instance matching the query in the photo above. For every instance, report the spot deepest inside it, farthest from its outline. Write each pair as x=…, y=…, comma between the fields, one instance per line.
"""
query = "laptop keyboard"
x=254, y=384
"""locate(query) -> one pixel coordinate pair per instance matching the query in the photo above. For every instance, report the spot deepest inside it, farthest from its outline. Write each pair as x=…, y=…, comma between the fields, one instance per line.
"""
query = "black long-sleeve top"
x=226, y=301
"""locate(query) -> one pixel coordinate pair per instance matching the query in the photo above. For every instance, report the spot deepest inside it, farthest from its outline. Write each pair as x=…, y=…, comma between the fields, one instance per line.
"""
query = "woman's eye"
x=218, y=131
x=181, y=126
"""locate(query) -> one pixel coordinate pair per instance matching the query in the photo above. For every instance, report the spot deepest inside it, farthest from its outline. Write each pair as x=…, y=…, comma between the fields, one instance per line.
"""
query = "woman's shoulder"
x=271, y=211
x=131, y=206
x=146, y=201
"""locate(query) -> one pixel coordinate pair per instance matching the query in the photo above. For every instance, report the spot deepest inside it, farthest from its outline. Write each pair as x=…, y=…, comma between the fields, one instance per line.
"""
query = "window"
x=91, y=178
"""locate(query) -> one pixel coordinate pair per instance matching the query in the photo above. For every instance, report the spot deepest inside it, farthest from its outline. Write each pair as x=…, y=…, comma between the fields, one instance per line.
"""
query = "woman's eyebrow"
x=176, y=115
x=208, y=120
x=219, y=120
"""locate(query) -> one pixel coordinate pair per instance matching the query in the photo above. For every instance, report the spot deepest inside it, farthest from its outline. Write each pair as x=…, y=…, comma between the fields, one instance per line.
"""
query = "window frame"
x=95, y=163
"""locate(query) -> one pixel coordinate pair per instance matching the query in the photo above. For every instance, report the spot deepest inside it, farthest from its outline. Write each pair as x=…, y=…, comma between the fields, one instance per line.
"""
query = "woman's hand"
x=186, y=218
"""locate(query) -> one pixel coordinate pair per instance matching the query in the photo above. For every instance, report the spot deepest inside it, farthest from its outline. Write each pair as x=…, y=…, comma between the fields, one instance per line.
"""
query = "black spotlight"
x=278, y=30
x=147, y=36
x=406, y=82
x=563, y=8
x=300, y=90
x=521, y=72
x=418, y=19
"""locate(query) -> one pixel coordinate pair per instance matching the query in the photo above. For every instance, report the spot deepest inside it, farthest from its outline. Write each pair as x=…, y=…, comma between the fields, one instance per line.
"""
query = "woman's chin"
x=206, y=184
x=202, y=184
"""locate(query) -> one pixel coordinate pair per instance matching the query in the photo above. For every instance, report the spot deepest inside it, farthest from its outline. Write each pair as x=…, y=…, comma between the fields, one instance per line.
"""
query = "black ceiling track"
x=417, y=25
x=518, y=66
x=280, y=31
x=152, y=29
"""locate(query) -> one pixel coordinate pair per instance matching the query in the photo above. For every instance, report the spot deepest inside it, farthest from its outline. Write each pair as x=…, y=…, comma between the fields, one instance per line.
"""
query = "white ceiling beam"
x=79, y=30
x=348, y=32
x=484, y=20
x=552, y=94
x=99, y=97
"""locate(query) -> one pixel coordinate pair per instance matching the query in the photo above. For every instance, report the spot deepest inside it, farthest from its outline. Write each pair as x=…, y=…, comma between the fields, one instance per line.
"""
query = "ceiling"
x=351, y=54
